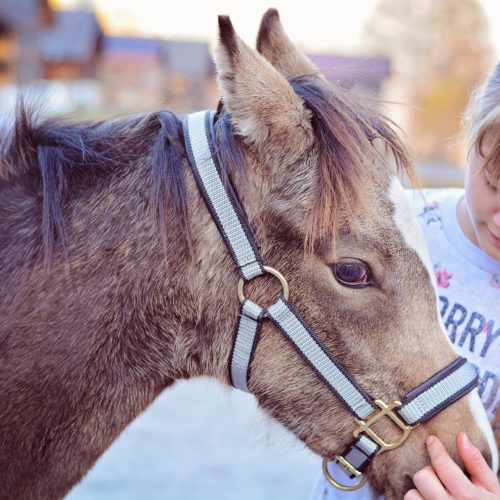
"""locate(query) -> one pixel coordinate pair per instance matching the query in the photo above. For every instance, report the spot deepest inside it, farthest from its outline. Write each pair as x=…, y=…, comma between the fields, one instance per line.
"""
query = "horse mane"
x=54, y=158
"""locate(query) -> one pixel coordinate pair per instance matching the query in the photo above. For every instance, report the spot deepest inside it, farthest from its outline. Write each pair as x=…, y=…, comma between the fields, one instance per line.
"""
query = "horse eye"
x=352, y=273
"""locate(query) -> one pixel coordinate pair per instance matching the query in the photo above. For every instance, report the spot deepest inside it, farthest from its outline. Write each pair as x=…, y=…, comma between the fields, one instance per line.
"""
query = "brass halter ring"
x=335, y=483
x=268, y=270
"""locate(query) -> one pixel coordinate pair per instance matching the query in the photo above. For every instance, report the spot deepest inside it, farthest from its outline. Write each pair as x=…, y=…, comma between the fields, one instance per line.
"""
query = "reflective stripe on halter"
x=419, y=405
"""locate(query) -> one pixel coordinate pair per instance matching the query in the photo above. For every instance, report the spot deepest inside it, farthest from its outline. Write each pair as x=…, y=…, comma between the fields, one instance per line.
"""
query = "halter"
x=418, y=406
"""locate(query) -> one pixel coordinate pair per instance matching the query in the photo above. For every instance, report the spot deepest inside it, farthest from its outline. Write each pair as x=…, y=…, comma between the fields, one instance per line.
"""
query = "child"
x=462, y=229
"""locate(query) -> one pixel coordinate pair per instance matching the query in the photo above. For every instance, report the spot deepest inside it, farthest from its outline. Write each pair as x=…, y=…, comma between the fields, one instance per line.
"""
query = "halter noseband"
x=418, y=406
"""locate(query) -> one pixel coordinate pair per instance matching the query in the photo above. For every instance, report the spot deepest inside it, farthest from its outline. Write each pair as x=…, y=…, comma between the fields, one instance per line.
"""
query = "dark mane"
x=54, y=159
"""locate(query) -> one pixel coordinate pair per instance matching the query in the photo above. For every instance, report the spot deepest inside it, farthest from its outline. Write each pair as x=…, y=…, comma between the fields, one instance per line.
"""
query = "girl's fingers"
x=450, y=474
x=413, y=495
x=428, y=484
x=476, y=465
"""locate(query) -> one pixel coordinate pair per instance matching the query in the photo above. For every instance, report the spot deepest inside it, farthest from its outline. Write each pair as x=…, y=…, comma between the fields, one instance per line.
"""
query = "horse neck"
x=95, y=338
x=123, y=292
x=170, y=298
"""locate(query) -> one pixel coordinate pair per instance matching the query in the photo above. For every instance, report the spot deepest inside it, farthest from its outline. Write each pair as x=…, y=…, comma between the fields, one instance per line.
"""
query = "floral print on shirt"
x=443, y=276
x=495, y=280
x=431, y=213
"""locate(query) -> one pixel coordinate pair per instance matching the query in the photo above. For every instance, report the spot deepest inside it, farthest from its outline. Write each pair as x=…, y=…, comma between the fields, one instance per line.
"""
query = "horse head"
x=322, y=189
x=115, y=282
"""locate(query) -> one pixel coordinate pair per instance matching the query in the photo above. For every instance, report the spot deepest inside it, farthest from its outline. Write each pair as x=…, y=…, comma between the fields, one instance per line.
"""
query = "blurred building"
x=8, y=51
x=148, y=73
x=36, y=42
x=189, y=67
x=70, y=47
x=21, y=22
x=130, y=74
x=365, y=73
x=51, y=56
x=84, y=68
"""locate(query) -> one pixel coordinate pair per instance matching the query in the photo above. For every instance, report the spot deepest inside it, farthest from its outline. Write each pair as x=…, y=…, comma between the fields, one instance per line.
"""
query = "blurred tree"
x=439, y=50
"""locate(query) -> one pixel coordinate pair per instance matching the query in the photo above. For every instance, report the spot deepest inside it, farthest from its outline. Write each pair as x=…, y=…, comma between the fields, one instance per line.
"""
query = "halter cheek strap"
x=225, y=209
x=419, y=405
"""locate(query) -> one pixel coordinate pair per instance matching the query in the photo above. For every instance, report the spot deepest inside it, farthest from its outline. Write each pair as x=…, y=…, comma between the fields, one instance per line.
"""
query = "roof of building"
x=74, y=36
x=128, y=44
x=25, y=14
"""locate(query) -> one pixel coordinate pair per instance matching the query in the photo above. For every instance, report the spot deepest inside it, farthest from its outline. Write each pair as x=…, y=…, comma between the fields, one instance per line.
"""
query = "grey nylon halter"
x=418, y=406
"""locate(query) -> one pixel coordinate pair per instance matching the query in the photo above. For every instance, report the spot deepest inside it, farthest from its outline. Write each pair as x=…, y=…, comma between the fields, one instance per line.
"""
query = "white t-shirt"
x=468, y=283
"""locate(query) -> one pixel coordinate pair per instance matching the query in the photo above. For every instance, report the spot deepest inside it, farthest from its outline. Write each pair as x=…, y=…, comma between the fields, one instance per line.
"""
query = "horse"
x=115, y=281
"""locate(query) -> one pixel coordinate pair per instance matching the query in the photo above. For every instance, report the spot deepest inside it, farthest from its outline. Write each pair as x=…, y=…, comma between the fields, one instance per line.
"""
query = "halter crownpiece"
x=418, y=406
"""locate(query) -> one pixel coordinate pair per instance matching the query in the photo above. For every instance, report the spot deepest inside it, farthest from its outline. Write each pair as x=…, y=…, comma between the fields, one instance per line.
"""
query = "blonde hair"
x=481, y=117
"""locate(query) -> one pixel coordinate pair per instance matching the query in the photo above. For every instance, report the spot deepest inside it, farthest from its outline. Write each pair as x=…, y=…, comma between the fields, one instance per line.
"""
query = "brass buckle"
x=385, y=410
x=349, y=468
x=365, y=426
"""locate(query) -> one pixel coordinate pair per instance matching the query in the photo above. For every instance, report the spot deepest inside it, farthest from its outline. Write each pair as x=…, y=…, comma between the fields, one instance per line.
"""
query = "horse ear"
x=274, y=44
x=264, y=108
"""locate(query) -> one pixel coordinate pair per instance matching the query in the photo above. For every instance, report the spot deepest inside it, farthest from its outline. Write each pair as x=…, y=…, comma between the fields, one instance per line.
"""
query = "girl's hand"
x=445, y=479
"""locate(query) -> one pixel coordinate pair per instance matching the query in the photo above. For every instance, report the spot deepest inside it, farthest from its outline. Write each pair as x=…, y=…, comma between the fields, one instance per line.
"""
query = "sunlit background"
x=101, y=58
x=97, y=59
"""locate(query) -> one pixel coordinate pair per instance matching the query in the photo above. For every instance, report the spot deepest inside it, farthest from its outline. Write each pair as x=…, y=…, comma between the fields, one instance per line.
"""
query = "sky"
x=314, y=25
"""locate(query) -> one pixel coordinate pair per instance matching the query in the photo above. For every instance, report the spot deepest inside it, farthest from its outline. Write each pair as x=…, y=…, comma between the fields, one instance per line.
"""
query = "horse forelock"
x=345, y=130
x=346, y=158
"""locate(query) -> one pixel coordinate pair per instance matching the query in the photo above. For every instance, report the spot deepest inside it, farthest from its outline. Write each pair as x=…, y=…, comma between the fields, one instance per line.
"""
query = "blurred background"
x=96, y=59
x=102, y=58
